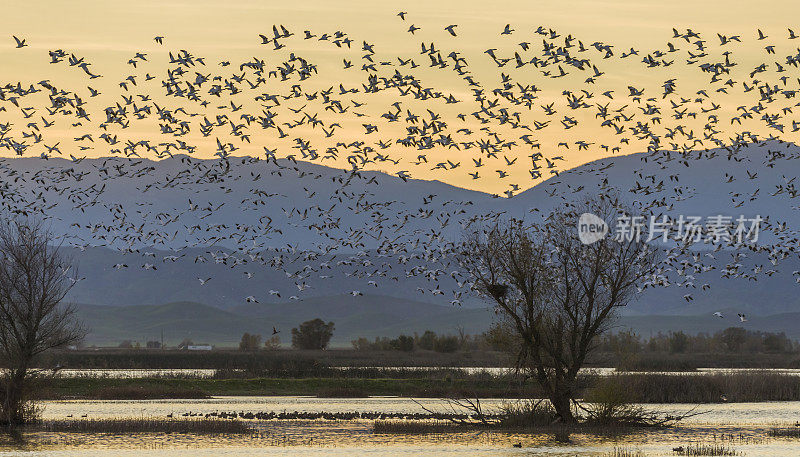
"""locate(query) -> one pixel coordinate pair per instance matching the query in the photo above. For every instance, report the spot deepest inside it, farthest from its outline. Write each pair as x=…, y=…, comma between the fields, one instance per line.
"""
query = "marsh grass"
x=342, y=392
x=224, y=359
x=289, y=362
x=148, y=425
x=655, y=362
x=751, y=386
x=793, y=432
x=423, y=427
x=705, y=450
x=665, y=361
x=625, y=452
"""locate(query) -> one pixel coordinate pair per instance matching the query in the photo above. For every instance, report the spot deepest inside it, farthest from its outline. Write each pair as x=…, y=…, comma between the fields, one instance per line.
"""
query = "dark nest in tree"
x=497, y=291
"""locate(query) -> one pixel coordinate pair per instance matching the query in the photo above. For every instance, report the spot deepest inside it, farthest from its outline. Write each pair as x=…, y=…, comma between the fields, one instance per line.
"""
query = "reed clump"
x=526, y=413
x=625, y=452
x=609, y=404
x=148, y=425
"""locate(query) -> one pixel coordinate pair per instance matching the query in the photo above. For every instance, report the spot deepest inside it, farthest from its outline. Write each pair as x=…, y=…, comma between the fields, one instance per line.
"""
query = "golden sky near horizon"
x=108, y=33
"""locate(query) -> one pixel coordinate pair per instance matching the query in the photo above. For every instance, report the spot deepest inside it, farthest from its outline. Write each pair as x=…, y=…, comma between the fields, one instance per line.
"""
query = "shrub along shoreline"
x=753, y=386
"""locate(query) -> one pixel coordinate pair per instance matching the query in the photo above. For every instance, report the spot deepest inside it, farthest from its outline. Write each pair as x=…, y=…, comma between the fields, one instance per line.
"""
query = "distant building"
x=199, y=347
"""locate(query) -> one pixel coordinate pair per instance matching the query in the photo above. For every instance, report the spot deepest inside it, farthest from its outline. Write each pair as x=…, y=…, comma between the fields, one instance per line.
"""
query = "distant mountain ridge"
x=314, y=209
x=298, y=197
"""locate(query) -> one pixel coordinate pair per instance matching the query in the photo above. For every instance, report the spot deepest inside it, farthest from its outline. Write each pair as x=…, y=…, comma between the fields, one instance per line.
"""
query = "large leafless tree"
x=554, y=292
x=34, y=280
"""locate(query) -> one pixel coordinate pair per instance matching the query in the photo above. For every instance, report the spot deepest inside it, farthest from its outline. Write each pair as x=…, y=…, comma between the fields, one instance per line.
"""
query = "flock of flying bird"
x=521, y=109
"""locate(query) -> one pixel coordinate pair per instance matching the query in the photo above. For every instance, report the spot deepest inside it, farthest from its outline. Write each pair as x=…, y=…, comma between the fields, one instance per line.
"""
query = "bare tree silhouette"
x=554, y=292
x=34, y=280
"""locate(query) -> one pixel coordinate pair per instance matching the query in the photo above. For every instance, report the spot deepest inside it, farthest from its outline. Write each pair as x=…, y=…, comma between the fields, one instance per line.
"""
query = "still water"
x=207, y=373
x=742, y=426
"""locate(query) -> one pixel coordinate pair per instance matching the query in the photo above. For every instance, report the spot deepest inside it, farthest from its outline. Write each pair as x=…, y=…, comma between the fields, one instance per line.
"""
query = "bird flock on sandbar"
x=515, y=113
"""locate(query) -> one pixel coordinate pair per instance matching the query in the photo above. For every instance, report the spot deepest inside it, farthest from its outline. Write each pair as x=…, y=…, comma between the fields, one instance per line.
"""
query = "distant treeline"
x=428, y=341
x=735, y=340
x=674, y=351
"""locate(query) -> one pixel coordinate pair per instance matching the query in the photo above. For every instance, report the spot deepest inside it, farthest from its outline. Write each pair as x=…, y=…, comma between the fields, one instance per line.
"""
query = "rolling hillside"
x=368, y=316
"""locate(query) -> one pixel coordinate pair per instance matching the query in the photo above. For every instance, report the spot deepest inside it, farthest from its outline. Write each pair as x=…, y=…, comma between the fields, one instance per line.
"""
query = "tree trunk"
x=13, y=404
x=562, y=403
